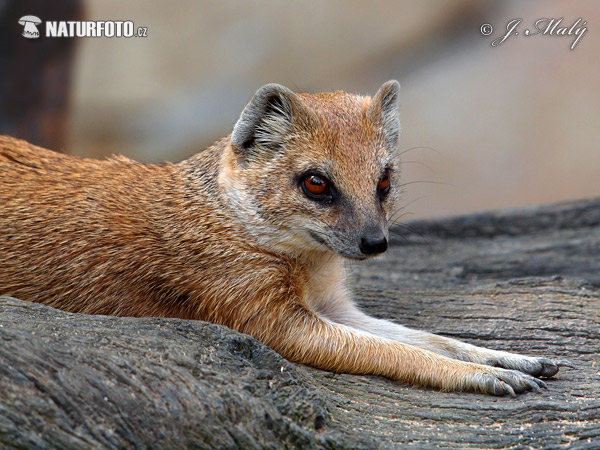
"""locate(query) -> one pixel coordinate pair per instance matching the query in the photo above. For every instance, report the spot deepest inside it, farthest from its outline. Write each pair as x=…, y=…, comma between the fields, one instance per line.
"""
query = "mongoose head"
x=308, y=174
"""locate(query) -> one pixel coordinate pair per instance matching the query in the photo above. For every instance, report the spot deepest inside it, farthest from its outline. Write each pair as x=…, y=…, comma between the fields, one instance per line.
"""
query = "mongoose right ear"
x=267, y=121
x=384, y=111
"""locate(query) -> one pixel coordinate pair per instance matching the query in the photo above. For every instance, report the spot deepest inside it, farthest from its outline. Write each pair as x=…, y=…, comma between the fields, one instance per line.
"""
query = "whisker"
x=403, y=207
x=396, y=220
x=427, y=181
x=419, y=148
x=411, y=230
x=417, y=163
x=399, y=218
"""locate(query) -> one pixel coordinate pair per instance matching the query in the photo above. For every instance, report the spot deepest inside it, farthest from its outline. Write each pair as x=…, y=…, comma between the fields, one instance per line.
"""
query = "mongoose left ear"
x=267, y=121
x=383, y=111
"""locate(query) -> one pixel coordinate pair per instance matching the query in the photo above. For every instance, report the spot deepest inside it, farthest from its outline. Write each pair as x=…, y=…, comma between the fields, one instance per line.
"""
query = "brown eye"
x=384, y=182
x=315, y=185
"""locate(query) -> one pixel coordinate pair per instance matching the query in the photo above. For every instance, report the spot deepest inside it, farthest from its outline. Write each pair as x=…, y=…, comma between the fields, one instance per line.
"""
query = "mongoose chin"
x=250, y=233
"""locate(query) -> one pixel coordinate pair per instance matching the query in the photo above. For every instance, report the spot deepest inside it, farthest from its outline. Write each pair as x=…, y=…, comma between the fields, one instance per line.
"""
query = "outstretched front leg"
x=348, y=314
x=304, y=336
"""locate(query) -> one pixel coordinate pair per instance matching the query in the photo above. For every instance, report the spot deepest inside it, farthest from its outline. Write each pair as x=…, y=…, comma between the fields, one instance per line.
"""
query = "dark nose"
x=373, y=242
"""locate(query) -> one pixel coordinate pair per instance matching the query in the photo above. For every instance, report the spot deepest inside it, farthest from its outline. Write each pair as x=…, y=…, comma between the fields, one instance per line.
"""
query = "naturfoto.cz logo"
x=81, y=28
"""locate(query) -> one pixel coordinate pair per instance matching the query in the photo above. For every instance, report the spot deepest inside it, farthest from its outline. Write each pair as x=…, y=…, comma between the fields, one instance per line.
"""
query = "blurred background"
x=483, y=127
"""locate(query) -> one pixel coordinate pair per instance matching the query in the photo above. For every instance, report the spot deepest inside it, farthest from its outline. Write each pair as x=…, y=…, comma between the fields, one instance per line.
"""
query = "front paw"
x=497, y=381
x=538, y=367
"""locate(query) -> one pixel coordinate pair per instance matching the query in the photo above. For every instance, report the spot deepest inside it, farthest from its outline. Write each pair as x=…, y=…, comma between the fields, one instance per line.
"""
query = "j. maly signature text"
x=546, y=27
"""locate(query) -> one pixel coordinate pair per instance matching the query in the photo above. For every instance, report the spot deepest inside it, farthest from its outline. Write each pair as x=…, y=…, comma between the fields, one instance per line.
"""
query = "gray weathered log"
x=523, y=280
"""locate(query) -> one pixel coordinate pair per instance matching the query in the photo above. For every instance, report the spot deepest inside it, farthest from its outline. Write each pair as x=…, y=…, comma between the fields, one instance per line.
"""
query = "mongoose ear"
x=383, y=111
x=267, y=120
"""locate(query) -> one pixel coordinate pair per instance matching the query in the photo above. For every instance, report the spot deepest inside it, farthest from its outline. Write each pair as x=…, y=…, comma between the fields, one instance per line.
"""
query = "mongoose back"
x=250, y=233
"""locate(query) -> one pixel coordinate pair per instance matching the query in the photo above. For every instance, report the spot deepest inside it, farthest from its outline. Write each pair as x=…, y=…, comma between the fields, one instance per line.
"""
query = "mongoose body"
x=251, y=233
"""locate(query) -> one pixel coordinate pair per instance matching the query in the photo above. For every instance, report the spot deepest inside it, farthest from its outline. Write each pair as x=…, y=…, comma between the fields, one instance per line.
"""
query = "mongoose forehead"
x=348, y=139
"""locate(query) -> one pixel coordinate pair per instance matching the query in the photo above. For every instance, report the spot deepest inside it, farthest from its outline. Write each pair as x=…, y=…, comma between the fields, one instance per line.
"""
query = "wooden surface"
x=526, y=281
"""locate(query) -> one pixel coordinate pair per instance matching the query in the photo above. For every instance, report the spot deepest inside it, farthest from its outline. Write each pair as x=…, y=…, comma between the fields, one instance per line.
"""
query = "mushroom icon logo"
x=29, y=23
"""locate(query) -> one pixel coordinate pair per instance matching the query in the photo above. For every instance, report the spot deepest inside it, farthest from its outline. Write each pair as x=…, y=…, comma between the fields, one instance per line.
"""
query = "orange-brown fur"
x=216, y=238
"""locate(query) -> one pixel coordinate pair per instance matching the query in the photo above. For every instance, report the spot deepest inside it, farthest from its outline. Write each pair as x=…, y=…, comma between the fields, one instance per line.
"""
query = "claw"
x=499, y=387
x=508, y=389
x=565, y=363
x=520, y=386
x=533, y=385
x=550, y=368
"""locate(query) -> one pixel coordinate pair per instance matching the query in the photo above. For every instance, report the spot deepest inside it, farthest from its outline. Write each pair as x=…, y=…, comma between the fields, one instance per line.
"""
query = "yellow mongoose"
x=250, y=233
